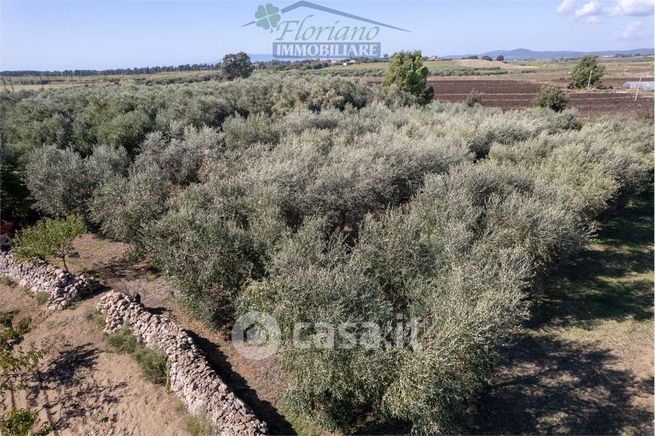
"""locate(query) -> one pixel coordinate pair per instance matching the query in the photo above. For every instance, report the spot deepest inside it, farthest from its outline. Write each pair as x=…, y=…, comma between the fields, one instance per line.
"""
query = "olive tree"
x=61, y=181
x=123, y=205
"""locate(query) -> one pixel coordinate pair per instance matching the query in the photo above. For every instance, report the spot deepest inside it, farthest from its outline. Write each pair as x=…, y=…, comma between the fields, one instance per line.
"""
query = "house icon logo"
x=332, y=35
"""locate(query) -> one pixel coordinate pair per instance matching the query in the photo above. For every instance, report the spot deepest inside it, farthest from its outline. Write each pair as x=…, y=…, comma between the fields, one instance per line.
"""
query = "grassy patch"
x=612, y=280
x=152, y=362
x=122, y=341
x=95, y=316
x=305, y=425
x=151, y=276
x=7, y=281
x=55, y=324
x=584, y=364
x=198, y=426
x=41, y=298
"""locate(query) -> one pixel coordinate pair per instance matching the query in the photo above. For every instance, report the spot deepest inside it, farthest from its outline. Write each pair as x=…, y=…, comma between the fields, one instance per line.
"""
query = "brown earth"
x=80, y=388
x=512, y=94
x=258, y=383
x=515, y=93
x=584, y=362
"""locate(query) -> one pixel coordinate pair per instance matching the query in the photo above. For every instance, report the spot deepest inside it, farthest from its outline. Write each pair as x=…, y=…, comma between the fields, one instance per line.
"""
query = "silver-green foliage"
x=123, y=205
x=179, y=158
x=460, y=259
x=324, y=200
x=61, y=181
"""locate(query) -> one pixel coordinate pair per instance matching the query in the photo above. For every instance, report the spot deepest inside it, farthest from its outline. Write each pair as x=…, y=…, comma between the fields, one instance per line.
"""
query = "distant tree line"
x=273, y=65
x=123, y=71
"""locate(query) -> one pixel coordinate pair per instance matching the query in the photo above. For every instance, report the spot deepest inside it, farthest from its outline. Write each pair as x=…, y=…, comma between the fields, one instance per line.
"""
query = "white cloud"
x=634, y=30
x=591, y=8
x=636, y=8
x=633, y=7
x=593, y=19
x=566, y=6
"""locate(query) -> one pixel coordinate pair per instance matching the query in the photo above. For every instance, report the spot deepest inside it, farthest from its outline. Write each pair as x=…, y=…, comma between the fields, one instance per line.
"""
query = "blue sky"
x=104, y=34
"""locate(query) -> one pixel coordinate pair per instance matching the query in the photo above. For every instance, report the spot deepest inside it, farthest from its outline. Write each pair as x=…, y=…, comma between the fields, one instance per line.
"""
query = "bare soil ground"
x=512, y=94
x=584, y=364
x=258, y=383
x=519, y=92
x=82, y=389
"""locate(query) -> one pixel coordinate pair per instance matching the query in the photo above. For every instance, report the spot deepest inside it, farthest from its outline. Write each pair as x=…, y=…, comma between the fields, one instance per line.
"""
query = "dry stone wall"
x=63, y=288
x=191, y=377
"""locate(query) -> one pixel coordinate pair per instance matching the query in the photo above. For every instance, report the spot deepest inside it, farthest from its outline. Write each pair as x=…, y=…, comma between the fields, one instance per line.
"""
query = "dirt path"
x=81, y=388
x=584, y=365
x=258, y=383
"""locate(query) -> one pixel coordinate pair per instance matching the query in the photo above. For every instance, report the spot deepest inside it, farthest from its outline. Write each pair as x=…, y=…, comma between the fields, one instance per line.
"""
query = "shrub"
x=241, y=133
x=105, y=163
x=36, y=120
x=58, y=181
x=125, y=130
x=392, y=96
x=185, y=109
x=551, y=97
x=224, y=255
x=14, y=194
x=49, y=237
x=17, y=364
x=62, y=182
x=587, y=72
x=18, y=422
x=122, y=206
x=198, y=426
x=500, y=58
x=7, y=281
x=474, y=98
x=95, y=316
x=179, y=159
x=296, y=92
x=41, y=298
x=122, y=341
x=152, y=362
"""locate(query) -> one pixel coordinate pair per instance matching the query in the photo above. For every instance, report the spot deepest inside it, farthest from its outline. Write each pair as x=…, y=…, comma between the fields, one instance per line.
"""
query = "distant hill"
x=526, y=54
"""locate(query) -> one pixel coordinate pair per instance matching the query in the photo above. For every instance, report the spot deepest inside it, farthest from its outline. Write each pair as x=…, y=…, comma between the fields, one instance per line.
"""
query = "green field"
x=615, y=68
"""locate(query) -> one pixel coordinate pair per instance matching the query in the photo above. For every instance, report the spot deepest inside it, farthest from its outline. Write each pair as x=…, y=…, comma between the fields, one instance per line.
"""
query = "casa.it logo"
x=318, y=37
x=256, y=335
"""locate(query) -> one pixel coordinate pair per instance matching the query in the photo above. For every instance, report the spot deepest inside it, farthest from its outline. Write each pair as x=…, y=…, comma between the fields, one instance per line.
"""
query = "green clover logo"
x=267, y=16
